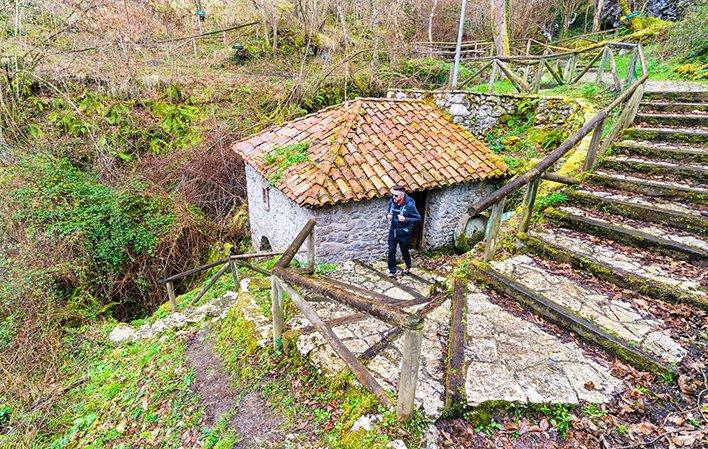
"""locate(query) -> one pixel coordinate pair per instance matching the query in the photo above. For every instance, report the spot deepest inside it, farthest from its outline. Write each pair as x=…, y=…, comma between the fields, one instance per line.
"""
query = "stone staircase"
x=615, y=265
x=631, y=235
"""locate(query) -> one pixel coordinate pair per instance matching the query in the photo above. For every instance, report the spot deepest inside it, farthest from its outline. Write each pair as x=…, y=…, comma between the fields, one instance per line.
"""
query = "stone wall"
x=281, y=222
x=444, y=208
x=355, y=230
x=480, y=113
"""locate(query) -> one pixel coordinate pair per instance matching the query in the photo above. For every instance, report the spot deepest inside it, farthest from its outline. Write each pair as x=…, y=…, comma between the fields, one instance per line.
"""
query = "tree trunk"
x=598, y=15
x=500, y=30
x=430, y=20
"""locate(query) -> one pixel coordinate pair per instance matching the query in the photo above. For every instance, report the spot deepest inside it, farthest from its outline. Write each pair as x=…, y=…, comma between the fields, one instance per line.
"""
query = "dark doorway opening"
x=265, y=244
x=420, y=199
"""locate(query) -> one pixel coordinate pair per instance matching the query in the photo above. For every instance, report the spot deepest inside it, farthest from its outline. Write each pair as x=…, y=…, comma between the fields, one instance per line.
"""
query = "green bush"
x=688, y=39
x=113, y=225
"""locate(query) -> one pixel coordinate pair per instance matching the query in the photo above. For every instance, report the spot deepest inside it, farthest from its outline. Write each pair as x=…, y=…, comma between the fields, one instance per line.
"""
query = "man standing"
x=402, y=215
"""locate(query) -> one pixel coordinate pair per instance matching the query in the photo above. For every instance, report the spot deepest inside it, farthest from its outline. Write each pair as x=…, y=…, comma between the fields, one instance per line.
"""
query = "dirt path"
x=255, y=423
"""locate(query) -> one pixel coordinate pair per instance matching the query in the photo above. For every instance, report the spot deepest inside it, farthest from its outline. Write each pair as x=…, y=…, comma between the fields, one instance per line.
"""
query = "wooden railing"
x=526, y=72
x=627, y=103
x=228, y=264
x=284, y=279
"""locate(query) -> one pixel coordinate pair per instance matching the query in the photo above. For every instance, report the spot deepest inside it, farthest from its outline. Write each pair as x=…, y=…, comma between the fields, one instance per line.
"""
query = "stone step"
x=680, y=119
x=620, y=326
x=636, y=206
x=505, y=357
x=664, y=151
x=674, y=135
x=655, y=185
x=651, y=274
x=652, y=237
x=676, y=96
x=672, y=106
x=638, y=164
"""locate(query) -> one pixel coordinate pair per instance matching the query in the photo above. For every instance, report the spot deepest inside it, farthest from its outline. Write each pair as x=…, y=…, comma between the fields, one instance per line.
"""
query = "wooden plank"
x=521, y=85
x=385, y=312
x=276, y=310
x=454, y=374
x=587, y=67
x=294, y=247
x=632, y=67
x=209, y=284
x=557, y=77
x=495, y=223
x=171, y=296
x=410, y=365
x=527, y=208
x=591, y=156
x=362, y=374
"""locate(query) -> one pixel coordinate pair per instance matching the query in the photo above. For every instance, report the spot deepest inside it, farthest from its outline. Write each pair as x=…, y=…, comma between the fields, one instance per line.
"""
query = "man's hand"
x=401, y=218
x=389, y=217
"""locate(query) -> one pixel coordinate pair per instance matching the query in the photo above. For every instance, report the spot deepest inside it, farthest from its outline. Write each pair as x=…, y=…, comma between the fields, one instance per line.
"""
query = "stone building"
x=337, y=165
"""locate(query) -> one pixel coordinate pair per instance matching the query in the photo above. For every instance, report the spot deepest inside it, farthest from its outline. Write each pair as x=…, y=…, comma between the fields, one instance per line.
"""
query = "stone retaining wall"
x=481, y=113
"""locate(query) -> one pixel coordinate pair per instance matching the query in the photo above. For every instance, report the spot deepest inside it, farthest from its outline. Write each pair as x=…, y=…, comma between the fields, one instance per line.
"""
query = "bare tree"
x=598, y=15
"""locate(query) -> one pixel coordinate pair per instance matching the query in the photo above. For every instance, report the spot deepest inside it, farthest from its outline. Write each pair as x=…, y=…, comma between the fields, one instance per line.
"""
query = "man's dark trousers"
x=398, y=237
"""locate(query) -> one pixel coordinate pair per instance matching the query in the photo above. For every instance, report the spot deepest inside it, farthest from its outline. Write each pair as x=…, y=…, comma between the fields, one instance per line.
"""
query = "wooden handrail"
x=555, y=155
x=205, y=267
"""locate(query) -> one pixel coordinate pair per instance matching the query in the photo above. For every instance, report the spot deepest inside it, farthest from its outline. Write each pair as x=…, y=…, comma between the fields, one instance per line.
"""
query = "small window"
x=266, y=197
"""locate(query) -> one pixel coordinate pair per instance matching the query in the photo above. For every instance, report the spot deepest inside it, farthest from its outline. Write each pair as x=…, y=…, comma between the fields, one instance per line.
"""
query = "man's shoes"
x=406, y=271
x=392, y=274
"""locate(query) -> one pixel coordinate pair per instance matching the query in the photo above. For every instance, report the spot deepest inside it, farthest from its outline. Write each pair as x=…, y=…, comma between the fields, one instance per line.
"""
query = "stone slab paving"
x=507, y=358
x=633, y=260
x=642, y=200
x=655, y=230
x=618, y=317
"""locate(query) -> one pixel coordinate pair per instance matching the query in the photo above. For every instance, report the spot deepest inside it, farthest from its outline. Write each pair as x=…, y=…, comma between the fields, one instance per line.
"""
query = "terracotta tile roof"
x=359, y=149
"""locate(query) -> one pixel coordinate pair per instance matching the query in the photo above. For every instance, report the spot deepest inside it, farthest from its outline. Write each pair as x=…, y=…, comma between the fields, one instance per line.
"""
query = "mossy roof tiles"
x=359, y=149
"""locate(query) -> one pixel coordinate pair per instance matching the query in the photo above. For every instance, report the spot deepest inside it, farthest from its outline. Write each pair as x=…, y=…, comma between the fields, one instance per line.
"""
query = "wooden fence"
x=626, y=103
x=293, y=281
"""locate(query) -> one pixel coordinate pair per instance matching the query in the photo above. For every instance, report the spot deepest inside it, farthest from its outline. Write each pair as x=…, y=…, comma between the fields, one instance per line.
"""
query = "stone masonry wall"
x=281, y=223
x=356, y=230
x=480, y=113
x=444, y=208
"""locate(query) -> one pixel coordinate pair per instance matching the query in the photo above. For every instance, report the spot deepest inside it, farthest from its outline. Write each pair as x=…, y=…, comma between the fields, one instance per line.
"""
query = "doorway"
x=420, y=199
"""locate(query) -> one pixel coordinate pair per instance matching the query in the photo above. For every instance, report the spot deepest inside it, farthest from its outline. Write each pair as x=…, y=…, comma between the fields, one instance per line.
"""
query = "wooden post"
x=234, y=274
x=311, y=252
x=276, y=309
x=410, y=365
x=209, y=284
x=539, y=75
x=520, y=84
x=171, y=295
x=527, y=208
x=601, y=68
x=494, y=223
x=632, y=66
x=454, y=375
x=294, y=247
x=492, y=77
x=571, y=68
x=528, y=67
x=591, y=156
x=613, y=70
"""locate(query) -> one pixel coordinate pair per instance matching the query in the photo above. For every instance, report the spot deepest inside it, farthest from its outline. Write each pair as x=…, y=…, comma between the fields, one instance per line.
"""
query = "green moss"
x=282, y=158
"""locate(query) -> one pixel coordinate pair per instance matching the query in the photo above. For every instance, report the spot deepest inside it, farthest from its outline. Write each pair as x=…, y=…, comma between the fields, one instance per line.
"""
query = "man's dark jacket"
x=409, y=211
